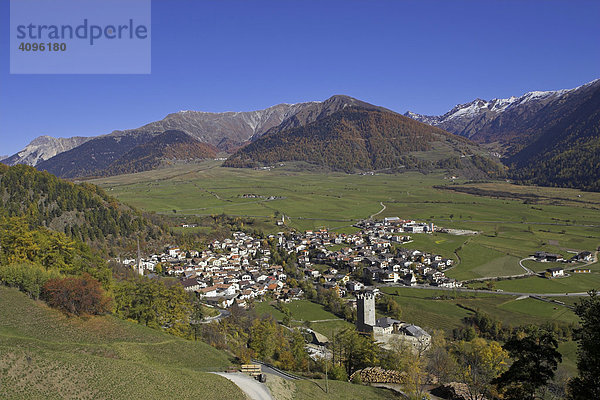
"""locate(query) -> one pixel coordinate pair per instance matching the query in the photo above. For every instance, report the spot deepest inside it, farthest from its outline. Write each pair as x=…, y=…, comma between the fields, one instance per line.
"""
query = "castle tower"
x=365, y=311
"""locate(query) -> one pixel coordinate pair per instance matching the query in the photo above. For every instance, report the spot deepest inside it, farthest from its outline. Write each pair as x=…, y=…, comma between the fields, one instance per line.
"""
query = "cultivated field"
x=436, y=309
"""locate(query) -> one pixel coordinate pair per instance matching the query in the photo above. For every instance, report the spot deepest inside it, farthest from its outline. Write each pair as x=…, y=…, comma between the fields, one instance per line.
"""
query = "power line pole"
x=326, y=380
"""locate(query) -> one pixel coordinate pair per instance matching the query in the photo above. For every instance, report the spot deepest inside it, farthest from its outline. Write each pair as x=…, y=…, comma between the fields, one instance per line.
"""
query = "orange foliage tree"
x=81, y=295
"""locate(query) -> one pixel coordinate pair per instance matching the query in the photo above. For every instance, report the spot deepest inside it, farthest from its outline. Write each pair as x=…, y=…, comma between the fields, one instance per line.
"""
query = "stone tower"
x=365, y=311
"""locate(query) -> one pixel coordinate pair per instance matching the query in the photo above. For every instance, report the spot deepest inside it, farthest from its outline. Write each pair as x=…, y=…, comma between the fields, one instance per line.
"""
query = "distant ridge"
x=43, y=148
x=167, y=146
x=364, y=138
x=510, y=121
x=226, y=131
x=545, y=137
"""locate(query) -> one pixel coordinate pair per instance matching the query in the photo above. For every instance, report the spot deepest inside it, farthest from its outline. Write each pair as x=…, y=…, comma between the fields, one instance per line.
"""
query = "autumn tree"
x=154, y=304
x=196, y=316
x=76, y=295
x=388, y=306
x=27, y=277
x=479, y=362
x=265, y=338
x=356, y=351
x=415, y=372
x=441, y=363
x=298, y=351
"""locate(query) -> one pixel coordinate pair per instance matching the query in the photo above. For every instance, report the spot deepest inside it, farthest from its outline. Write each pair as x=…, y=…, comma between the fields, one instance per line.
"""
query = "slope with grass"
x=305, y=312
x=44, y=354
x=445, y=309
x=572, y=284
x=316, y=389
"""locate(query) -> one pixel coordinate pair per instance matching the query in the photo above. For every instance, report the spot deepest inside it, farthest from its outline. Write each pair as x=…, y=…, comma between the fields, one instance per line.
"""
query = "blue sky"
x=423, y=56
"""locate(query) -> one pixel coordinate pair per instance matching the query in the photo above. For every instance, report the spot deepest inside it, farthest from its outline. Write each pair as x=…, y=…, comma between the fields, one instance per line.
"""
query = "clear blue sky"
x=423, y=56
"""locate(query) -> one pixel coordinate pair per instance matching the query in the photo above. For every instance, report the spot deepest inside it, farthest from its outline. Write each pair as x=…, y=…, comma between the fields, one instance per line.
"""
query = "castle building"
x=365, y=311
x=385, y=330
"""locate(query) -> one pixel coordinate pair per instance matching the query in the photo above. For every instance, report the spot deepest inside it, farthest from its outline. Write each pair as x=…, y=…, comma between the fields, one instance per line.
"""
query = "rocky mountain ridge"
x=510, y=121
x=43, y=148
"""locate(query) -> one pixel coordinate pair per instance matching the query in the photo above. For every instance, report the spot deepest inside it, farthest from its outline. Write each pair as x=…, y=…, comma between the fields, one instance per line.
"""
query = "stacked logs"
x=378, y=375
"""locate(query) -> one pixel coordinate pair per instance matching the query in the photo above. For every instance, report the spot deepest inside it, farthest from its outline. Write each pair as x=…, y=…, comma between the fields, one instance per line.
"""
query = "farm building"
x=556, y=272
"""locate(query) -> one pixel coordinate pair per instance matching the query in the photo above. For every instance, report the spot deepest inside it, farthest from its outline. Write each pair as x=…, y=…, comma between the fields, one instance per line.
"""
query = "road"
x=578, y=294
x=268, y=369
x=529, y=272
x=222, y=314
x=253, y=388
x=380, y=211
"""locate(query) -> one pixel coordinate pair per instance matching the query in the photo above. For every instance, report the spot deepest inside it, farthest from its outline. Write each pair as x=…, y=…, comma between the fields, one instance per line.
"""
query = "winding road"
x=577, y=294
x=380, y=211
x=527, y=270
x=222, y=314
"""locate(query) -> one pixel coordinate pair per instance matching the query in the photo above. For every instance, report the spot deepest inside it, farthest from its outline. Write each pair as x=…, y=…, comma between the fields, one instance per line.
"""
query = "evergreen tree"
x=535, y=359
x=587, y=384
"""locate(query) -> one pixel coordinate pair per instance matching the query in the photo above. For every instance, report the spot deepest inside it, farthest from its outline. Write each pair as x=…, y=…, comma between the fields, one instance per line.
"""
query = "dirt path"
x=253, y=389
x=380, y=211
x=527, y=270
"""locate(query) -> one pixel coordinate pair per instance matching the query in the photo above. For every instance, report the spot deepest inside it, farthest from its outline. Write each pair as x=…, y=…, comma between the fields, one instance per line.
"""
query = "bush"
x=76, y=295
x=338, y=373
x=27, y=277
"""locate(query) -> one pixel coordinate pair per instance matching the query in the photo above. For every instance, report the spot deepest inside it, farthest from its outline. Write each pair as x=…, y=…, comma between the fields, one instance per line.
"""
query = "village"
x=242, y=268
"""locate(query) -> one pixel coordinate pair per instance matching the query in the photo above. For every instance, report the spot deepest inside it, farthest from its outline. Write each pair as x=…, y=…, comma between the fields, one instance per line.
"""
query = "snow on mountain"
x=480, y=118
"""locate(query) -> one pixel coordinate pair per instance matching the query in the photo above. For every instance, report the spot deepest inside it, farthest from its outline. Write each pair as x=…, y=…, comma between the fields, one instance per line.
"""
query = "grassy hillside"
x=44, y=354
x=315, y=390
x=303, y=311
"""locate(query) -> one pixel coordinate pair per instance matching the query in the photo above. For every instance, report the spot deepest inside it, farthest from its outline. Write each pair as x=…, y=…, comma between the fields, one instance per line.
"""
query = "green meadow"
x=305, y=313
x=513, y=221
x=438, y=309
x=571, y=284
x=46, y=355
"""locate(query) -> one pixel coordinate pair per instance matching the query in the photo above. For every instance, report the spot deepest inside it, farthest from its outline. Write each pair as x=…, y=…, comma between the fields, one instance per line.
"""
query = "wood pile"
x=453, y=391
x=378, y=375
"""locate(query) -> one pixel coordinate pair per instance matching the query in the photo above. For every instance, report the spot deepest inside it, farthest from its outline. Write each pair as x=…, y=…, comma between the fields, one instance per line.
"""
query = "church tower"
x=139, y=267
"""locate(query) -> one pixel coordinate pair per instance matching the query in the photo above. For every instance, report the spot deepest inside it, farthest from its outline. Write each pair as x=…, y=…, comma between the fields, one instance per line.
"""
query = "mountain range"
x=225, y=131
x=511, y=121
x=168, y=146
x=532, y=133
x=358, y=138
x=548, y=138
